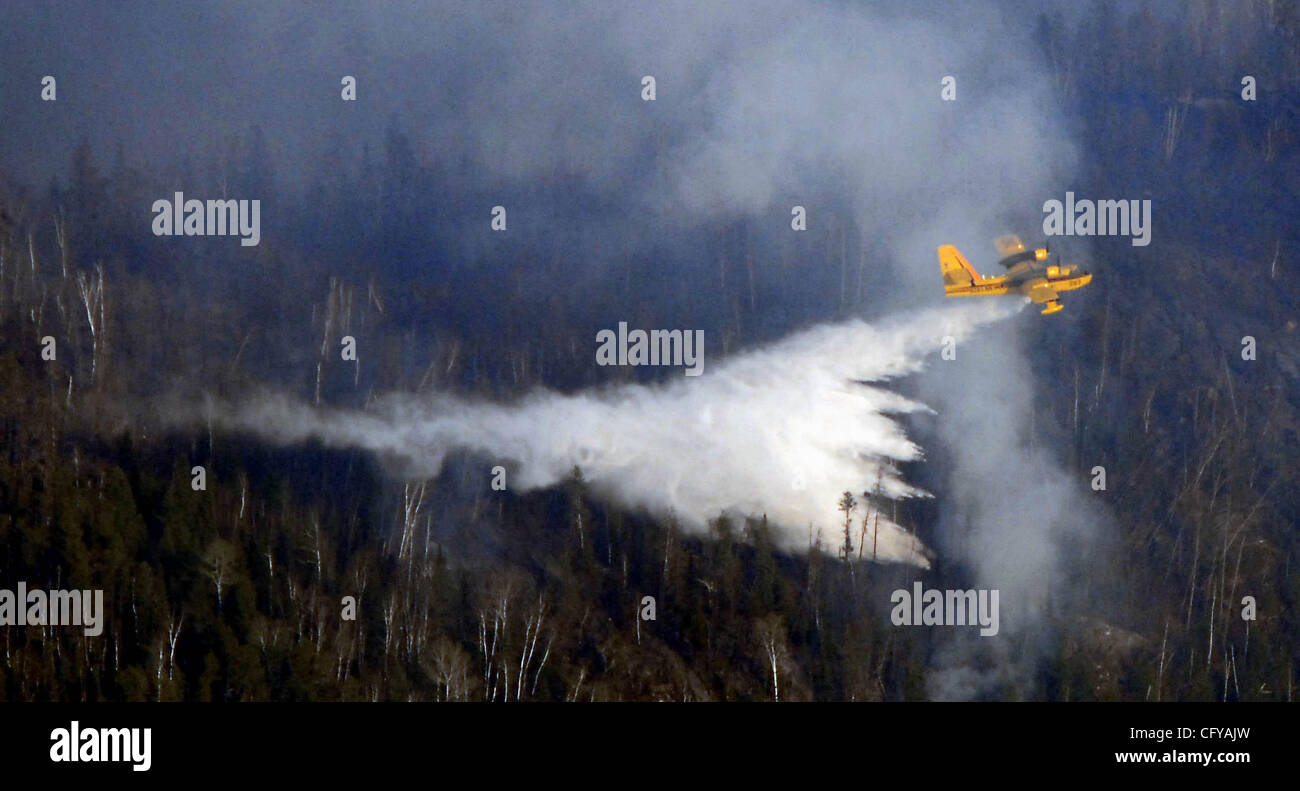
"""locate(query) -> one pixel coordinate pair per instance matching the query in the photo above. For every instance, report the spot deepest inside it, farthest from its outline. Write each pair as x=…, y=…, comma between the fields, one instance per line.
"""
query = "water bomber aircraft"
x=1027, y=272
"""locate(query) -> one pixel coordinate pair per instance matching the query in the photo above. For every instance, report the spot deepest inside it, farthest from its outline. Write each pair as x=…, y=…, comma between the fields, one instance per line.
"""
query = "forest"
x=235, y=592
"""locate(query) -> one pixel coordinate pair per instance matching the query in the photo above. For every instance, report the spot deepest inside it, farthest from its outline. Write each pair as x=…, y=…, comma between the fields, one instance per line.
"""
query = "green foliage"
x=235, y=593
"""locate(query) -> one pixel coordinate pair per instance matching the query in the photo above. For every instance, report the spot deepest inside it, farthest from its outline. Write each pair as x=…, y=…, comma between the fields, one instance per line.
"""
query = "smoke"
x=761, y=106
x=781, y=430
x=1008, y=506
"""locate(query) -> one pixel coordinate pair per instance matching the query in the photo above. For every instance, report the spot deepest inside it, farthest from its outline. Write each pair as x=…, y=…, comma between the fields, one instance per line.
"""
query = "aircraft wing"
x=1041, y=292
x=1008, y=245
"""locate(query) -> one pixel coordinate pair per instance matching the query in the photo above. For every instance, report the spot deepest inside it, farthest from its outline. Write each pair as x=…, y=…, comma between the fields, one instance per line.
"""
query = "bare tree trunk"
x=1160, y=674
x=173, y=634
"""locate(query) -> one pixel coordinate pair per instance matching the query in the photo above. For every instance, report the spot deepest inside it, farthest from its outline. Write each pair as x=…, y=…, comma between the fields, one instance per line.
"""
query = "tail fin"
x=956, y=270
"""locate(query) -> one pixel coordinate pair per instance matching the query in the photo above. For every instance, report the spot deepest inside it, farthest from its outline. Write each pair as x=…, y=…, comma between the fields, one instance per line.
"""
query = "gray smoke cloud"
x=782, y=430
x=1006, y=505
x=760, y=106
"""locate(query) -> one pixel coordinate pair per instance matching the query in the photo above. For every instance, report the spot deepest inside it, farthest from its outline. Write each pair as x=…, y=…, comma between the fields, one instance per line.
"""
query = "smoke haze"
x=761, y=106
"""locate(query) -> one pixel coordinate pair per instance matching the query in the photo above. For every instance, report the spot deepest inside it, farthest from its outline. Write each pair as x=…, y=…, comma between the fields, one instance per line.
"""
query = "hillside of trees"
x=234, y=593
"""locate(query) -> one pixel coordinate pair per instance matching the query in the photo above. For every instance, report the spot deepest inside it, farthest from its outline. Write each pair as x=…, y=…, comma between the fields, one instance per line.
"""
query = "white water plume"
x=781, y=430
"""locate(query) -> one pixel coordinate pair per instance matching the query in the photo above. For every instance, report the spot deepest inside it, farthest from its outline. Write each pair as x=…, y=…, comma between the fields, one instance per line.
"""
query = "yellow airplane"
x=1028, y=273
